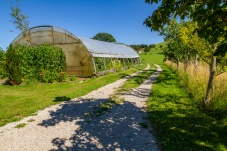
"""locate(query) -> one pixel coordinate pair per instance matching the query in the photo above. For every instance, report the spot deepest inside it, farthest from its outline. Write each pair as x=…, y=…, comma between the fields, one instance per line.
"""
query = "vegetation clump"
x=104, y=37
x=44, y=63
x=21, y=125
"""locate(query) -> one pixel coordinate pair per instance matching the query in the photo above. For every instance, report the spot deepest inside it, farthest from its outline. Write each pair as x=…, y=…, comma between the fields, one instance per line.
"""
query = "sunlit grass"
x=153, y=57
x=180, y=125
x=20, y=101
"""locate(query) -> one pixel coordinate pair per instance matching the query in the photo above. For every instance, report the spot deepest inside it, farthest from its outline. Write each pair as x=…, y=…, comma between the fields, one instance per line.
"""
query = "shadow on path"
x=118, y=128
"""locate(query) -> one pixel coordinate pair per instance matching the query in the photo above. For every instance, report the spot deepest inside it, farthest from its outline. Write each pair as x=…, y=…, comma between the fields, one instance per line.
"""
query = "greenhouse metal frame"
x=84, y=57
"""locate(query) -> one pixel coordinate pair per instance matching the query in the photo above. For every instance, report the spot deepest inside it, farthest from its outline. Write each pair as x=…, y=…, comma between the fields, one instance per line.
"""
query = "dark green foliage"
x=2, y=63
x=136, y=47
x=47, y=76
x=72, y=78
x=210, y=15
x=13, y=65
x=43, y=63
x=147, y=48
x=62, y=76
x=104, y=37
x=221, y=54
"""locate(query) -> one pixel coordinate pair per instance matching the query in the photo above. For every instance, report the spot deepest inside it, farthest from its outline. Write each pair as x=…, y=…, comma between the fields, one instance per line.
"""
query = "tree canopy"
x=146, y=48
x=210, y=15
x=210, y=23
x=104, y=37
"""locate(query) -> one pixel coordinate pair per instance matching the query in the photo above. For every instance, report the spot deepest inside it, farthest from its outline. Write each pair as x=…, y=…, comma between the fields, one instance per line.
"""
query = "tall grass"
x=195, y=82
x=178, y=123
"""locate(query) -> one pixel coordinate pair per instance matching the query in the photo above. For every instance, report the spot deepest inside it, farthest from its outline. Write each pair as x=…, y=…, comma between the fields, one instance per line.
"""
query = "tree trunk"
x=186, y=61
x=26, y=35
x=196, y=62
x=178, y=63
x=211, y=81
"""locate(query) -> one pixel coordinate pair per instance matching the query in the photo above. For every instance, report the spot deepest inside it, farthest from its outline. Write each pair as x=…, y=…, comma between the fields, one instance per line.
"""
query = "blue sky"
x=84, y=18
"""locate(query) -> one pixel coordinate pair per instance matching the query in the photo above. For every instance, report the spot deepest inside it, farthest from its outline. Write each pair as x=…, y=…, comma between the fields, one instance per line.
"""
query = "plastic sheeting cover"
x=45, y=28
x=107, y=49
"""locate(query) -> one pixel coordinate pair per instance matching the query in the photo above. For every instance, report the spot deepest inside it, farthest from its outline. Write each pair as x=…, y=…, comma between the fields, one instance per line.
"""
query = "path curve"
x=70, y=126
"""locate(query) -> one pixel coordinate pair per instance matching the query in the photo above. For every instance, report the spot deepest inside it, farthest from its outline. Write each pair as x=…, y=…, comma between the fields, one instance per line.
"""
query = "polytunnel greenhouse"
x=84, y=57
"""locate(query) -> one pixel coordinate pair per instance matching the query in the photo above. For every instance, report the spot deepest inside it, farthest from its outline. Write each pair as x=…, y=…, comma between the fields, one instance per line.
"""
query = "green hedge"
x=44, y=63
x=2, y=63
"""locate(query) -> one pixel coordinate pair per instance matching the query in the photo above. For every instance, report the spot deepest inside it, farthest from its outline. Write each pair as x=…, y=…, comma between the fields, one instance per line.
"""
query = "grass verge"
x=179, y=124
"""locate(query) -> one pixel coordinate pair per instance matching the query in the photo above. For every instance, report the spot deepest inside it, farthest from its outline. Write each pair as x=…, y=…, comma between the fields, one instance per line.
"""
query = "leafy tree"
x=104, y=37
x=211, y=18
x=152, y=45
x=171, y=35
x=136, y=47
x=147, y=49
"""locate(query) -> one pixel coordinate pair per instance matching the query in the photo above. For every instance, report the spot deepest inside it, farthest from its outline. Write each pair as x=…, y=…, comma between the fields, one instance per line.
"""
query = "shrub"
x=42, y=63
x=13, y=62
x=62, y=76
x=48, y=76
x=50, y=58
x=72, y=78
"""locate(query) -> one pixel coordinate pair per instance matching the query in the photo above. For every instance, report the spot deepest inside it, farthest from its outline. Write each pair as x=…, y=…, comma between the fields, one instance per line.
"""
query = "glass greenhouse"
x=84, y=57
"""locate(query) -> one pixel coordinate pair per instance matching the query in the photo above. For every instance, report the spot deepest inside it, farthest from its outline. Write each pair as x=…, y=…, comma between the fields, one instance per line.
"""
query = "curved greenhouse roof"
x=80, y=52
x=95, y=47
x=107, y=49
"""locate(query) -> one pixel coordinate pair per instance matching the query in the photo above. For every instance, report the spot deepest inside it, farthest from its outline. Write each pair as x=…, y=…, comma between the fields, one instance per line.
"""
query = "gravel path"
x=71, y=126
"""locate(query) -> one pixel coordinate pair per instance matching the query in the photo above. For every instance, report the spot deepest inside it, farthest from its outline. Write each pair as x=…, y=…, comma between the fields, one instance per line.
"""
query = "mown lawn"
x=20, y=101
x=179, y=124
